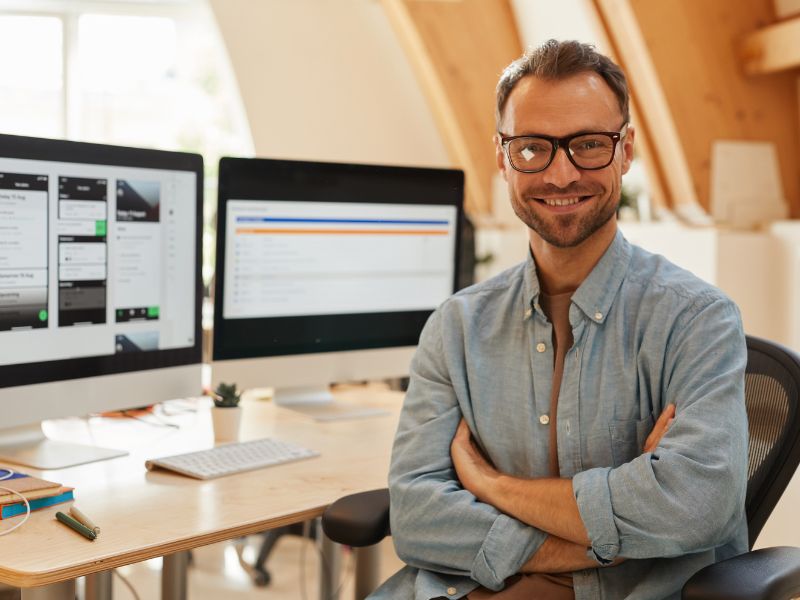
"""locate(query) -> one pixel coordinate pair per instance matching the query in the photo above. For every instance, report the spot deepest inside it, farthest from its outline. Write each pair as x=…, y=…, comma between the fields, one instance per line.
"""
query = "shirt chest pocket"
x=628, y=437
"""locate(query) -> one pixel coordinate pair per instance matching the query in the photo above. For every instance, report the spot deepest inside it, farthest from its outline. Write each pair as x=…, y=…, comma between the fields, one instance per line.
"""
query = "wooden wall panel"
x=458, y=50
x=693, y=49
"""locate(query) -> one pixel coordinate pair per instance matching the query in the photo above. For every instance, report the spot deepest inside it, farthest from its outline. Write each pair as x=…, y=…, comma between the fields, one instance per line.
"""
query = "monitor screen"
x=99, y=260
x=324, y=257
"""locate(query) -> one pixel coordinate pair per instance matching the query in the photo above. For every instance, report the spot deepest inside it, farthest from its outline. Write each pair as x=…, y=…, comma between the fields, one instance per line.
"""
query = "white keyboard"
x=232, y=458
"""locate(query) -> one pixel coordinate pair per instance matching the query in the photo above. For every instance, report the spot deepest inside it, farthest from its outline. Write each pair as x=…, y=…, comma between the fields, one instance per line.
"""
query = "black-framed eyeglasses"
x=588, y=150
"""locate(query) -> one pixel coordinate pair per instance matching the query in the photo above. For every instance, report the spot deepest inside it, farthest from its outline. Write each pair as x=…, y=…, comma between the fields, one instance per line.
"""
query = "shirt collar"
x=597, y=292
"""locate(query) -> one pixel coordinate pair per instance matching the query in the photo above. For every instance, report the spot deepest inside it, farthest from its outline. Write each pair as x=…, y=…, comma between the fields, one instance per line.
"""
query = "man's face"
x=580, y=103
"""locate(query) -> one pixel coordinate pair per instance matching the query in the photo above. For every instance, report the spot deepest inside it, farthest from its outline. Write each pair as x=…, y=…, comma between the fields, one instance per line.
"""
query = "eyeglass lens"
x=590, y=151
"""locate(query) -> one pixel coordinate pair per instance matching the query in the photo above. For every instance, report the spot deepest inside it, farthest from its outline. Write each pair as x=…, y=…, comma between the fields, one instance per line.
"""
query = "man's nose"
x=561, y=171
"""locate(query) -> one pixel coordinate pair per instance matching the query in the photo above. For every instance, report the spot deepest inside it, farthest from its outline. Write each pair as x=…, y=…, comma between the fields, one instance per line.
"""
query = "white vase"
x=226, y=421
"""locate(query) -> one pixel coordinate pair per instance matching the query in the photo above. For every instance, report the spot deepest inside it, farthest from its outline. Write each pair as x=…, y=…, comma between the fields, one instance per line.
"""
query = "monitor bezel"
x=66, y=151
x=236, y=175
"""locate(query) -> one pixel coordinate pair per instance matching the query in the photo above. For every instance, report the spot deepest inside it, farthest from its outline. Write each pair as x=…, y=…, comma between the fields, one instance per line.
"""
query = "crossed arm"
x=545, y=503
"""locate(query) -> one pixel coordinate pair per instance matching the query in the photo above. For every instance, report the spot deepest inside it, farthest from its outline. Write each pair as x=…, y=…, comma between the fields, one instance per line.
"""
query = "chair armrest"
x=766, y=574
x=359, y=519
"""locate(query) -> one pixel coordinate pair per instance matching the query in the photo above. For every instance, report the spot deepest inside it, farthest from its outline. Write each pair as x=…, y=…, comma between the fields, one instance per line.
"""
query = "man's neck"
x=562, y=270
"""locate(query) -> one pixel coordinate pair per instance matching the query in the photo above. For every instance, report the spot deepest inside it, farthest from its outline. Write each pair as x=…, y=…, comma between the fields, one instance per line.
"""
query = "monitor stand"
x=319, y=403
x=29, y=446
x=298, y=397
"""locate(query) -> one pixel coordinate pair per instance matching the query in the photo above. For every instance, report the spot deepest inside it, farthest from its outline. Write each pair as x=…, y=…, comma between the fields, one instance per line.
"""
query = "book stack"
x=39, y=493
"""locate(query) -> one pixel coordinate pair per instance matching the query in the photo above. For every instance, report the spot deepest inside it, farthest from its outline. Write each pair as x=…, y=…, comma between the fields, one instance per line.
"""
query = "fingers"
x=465, y=443
x=462, y=433
x=669, y=413
x=461, y=439
x=660, y=428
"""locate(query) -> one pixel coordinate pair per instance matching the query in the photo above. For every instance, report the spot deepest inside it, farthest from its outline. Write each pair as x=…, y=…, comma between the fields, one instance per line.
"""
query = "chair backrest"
x=772, y=394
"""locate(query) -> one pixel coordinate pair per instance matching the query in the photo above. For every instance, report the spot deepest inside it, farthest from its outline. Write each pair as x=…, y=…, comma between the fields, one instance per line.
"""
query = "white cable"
x=9, y=474
x=127, y=583
x=238, y=546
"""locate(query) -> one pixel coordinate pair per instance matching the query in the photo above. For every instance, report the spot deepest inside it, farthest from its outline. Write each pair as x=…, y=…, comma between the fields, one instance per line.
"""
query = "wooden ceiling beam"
x=773, y=48
x=668, y=167
x=458, y=50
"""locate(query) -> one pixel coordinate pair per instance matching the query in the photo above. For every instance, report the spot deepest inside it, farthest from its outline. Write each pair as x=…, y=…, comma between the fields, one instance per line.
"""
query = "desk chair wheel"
x=261, y=576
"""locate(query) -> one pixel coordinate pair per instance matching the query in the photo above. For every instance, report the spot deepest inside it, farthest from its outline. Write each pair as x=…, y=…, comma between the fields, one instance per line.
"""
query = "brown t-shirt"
x=556, y=586
x=557, y=310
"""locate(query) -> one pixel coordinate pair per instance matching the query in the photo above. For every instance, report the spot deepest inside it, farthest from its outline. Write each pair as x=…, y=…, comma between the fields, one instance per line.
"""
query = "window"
x=123, y=72
x=31, y=77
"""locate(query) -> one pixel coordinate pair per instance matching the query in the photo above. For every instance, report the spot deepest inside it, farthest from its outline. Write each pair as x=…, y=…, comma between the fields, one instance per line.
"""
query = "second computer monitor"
x=327, y=272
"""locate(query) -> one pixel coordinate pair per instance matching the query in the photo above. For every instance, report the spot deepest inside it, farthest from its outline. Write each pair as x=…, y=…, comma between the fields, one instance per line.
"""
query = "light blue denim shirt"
x=646, y=334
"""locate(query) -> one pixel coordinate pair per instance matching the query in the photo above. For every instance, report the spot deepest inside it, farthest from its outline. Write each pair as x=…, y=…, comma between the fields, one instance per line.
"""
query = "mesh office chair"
x=772, y=395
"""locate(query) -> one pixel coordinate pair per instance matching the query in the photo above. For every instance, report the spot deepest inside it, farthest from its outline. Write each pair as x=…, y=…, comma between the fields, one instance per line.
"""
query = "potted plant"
x=226, y=414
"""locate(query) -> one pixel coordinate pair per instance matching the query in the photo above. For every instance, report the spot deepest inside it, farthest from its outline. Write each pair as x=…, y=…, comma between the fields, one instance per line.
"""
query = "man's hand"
x=474, y=471
x=659, y=429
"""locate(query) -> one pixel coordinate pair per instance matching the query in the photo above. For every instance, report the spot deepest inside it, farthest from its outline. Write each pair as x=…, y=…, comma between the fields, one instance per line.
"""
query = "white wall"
x=327, y=80
x=540, y=20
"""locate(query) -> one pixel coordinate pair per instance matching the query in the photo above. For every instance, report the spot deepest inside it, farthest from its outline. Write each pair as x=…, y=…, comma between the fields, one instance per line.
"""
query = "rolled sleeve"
x=593, y=496
x=507, y=546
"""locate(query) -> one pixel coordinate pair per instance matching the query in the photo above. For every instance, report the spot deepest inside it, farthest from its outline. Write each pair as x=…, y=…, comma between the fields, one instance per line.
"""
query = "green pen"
x=76, y=525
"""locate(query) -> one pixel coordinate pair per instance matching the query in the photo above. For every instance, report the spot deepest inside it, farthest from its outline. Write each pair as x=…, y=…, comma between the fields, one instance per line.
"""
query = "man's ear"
x=500, y=156
x=627, y=149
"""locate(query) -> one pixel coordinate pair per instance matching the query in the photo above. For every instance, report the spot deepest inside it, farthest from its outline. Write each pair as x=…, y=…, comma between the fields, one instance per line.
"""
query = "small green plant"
x=226, y=396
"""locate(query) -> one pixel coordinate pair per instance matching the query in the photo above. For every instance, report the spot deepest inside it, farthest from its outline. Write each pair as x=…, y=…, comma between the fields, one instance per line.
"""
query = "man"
x=575, y=426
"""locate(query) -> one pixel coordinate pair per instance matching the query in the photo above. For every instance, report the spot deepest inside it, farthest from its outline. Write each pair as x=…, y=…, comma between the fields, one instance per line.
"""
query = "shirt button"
x=451, y=591
x=544, y=419
x=598, y=315
x=540, y=347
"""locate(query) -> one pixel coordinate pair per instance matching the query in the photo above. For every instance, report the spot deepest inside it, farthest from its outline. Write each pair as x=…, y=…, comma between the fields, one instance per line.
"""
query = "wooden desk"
x=145, y=515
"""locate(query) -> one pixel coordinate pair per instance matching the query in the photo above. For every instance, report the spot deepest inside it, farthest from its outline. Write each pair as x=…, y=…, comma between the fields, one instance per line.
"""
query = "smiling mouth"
x=563, y=201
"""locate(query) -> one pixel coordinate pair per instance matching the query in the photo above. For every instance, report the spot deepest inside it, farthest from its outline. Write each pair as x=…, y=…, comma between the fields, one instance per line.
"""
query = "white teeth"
x=561, y=201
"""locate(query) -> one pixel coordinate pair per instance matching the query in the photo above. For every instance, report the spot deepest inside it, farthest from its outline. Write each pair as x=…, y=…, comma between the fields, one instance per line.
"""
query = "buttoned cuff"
x=507, y=546
x=593, y=496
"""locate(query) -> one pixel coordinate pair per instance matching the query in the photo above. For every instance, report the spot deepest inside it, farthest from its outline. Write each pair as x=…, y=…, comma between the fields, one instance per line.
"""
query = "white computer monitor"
x=327, y=272
x=100, y=287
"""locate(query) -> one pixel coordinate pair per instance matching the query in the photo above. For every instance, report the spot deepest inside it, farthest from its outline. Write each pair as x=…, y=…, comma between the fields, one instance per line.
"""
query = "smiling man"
x=574, y=427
